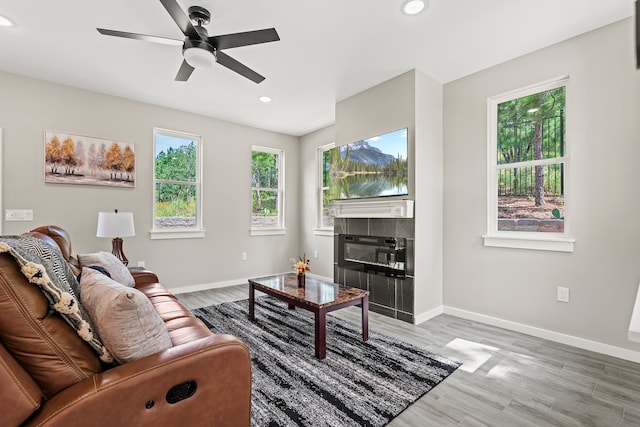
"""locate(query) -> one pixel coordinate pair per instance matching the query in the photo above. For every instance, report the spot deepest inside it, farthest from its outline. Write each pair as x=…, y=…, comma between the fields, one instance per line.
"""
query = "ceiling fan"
x=200, y=50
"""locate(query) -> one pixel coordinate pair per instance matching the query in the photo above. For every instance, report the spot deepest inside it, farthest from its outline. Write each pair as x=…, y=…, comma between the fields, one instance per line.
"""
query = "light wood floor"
x=507, y=379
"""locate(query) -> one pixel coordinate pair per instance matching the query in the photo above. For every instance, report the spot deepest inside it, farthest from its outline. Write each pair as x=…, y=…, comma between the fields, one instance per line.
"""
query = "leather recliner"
x=50, y=377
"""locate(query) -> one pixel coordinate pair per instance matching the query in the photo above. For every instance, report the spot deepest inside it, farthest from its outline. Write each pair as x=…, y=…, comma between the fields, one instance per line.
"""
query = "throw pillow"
x=118, y=271
x=124, y=318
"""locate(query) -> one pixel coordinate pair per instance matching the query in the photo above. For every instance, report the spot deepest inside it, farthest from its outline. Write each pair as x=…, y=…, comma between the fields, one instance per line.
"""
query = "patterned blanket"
x=43, y=265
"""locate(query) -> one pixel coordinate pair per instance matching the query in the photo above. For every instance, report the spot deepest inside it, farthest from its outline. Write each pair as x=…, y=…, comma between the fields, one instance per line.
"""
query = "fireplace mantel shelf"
x=372, y=208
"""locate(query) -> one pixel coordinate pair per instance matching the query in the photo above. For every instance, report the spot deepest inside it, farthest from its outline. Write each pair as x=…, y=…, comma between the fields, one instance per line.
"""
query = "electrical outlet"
x=562, y=294
x=141, y=264
x=315, y=254
x=243, y=256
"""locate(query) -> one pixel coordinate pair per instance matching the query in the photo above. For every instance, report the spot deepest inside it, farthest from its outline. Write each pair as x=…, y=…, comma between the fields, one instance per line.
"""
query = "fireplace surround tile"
x=356, y=279
x=405, y=228
x=358, y=226
x=389, y=296
x=405, y=295
x=382, y=290
x=382, y=227
x=406, y=317
x=340, y=225
x=410, y=258
x=380, y=309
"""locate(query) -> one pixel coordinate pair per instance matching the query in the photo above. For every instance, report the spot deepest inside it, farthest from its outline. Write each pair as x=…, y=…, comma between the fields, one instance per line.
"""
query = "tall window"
x=325, y=219
x=528, y=165
x=267, y=191
x=177, y=185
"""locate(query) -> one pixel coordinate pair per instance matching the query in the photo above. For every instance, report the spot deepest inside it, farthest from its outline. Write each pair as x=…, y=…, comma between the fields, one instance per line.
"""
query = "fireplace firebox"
x=372, y=254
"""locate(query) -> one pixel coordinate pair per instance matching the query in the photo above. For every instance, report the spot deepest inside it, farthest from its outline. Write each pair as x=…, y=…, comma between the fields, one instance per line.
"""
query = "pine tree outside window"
x=267, y=191
x=529, y=169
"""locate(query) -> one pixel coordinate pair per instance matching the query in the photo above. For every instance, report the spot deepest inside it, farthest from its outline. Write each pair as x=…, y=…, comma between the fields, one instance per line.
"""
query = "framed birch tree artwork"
x=75, y=159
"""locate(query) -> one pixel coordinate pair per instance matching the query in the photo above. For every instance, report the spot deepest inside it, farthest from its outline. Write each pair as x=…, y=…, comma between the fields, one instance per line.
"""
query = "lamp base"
x=116, y=249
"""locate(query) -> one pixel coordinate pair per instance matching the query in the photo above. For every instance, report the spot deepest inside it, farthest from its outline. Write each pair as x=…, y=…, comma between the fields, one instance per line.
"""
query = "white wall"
x=309, y=196
x=428, y=195
x=603, y=130
x=31, y=106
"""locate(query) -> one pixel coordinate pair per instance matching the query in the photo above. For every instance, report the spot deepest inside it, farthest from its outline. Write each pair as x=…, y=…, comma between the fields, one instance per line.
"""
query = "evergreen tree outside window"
x=177, y=210
x=528, y=168
x=267, y=191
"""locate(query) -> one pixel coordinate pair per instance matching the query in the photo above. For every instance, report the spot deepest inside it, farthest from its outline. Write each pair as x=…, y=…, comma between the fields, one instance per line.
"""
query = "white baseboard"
x=423, y=317
x=578, y=342
x=226, y=283
x=206, y=286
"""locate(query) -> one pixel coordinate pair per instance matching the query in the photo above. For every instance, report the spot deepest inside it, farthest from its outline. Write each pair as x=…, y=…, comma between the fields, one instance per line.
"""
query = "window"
x=267, y=191
x=325, y=218
x=177, y=211
x=528, y=169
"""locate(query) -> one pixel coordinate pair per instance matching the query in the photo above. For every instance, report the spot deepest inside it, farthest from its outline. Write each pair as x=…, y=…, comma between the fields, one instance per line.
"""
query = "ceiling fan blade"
x=135, y=36
x=228, y=41
x=184, y=72
x=233, y=65
x=181, y=19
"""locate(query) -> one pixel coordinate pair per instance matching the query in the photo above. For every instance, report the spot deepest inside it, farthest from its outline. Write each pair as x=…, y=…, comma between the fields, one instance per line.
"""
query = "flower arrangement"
x=301, y=265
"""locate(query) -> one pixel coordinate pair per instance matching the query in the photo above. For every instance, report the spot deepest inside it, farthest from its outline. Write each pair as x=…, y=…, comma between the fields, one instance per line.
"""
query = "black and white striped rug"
x=358, y=384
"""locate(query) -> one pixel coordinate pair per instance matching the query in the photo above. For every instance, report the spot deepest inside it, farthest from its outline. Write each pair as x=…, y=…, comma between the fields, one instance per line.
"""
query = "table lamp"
x=116, y=225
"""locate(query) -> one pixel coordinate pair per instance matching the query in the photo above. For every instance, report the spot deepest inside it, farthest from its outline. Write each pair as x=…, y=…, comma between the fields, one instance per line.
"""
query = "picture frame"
x=77, y=159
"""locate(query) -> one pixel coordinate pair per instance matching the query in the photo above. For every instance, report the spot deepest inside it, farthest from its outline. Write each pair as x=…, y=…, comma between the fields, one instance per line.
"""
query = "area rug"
x=358, y=384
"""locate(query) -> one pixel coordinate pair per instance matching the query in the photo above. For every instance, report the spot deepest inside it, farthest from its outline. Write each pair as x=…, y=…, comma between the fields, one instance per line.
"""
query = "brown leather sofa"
x=50, y=377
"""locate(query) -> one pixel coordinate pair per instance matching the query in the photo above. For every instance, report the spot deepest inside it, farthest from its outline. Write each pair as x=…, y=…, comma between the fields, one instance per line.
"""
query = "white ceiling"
x=329, y=49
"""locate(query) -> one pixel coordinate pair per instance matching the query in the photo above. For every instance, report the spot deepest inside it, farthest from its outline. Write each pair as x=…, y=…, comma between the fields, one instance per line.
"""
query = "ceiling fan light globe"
x=199, y=58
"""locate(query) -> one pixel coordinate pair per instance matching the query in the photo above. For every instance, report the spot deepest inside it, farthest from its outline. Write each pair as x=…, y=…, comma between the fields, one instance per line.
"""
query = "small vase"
x=301, y=280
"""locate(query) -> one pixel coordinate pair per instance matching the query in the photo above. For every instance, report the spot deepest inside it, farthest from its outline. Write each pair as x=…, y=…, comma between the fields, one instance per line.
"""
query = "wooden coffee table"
x=318, y=296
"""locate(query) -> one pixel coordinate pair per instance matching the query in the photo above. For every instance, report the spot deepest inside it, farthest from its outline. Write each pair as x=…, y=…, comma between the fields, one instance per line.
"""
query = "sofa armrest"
x=135, y=393
x=142, y=276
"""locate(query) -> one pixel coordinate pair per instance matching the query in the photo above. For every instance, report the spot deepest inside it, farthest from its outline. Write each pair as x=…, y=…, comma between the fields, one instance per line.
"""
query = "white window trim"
x=561, y=242
x=320, y=230
x=272, y=231
x=179, y=233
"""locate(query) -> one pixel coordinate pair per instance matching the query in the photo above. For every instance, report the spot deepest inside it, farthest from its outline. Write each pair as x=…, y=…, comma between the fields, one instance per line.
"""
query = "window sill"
x=267, y=231
x=536, y=242
x=323, y=232
x=176, y=234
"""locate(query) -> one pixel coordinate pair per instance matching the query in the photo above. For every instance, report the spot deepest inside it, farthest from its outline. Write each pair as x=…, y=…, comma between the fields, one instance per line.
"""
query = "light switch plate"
x=18, y=214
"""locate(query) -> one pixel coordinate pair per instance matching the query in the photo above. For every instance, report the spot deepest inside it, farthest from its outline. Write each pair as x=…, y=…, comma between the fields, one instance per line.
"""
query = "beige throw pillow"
x=118, y=271
x=124, y=318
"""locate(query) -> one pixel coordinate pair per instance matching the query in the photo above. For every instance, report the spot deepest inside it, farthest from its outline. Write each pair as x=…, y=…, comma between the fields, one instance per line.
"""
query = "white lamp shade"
x=115, y=224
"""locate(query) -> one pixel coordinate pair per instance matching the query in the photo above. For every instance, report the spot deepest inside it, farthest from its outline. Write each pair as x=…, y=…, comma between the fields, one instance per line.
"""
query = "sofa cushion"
x=39, y=339
x=19, y=394
x=124, y=318
x=44, y=267
x=118, y=271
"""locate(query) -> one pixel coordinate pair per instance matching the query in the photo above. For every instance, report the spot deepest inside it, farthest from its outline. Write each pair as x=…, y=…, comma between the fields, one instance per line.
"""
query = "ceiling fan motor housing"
x=199, y=15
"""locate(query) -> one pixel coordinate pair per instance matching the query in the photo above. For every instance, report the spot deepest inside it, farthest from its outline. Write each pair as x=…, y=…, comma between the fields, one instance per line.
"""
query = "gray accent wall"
x=29, y=107
x=412, y=100
x=603, y=137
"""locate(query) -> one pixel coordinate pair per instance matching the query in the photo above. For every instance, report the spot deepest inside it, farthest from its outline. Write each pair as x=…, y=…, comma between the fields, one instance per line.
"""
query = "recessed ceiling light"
x=413, y=7
x=5, y=22
x=265, y=99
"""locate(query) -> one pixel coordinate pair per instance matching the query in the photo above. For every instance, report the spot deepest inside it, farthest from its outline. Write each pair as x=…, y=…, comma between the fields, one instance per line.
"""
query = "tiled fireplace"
x=377, y=254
